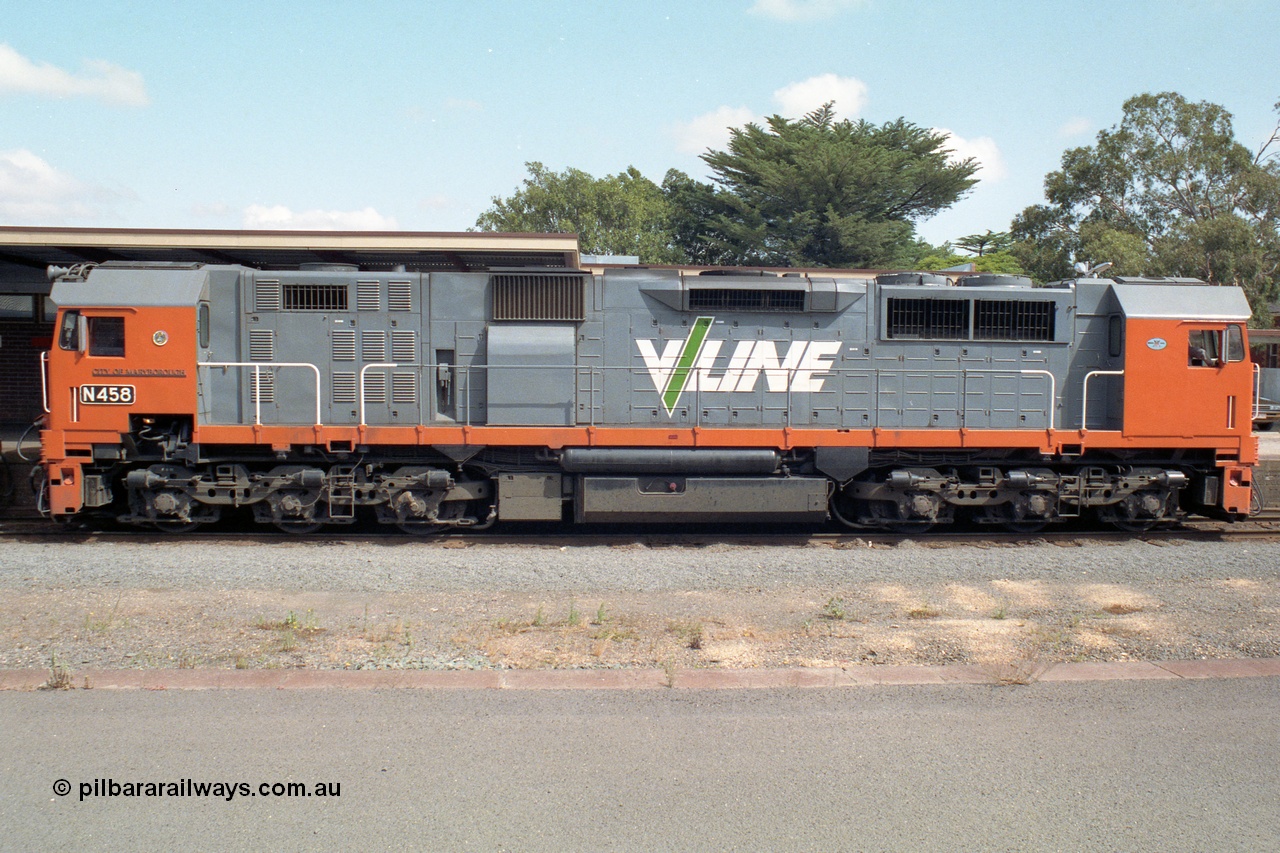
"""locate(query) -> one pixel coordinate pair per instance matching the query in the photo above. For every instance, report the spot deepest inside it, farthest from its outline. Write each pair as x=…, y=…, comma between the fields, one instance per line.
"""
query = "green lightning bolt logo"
x=684, y=364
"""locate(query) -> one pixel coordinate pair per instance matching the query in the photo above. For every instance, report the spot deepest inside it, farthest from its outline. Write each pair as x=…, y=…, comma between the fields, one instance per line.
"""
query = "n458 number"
x=116, y=395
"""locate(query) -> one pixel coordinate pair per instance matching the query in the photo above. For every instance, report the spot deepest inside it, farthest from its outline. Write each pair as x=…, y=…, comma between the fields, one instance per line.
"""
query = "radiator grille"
x=375, y=386
x=344, y=386
x=1012, y=320
x=266, y=294
x=315, y=297
x=539, y=297
x=404, y=388
x=368, y=296
x=344, y=345
x=400, y=295
x=373, y=346
x=262, y=386
x=934, y=319
x=262, y=345
x=730, y=299
x=404, y=347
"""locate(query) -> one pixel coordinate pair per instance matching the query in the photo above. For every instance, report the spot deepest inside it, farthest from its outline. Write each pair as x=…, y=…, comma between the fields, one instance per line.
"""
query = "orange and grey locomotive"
x=438, y=400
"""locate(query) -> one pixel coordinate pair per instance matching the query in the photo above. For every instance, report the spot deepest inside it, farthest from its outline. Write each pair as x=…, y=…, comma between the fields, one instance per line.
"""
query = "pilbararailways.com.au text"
x=192, y=788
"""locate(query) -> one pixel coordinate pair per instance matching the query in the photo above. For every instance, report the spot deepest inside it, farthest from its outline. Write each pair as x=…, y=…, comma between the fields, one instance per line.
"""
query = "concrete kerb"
x=636, y=679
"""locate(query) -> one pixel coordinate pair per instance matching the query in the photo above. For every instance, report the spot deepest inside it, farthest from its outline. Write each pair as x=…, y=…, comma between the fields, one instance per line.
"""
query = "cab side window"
x=1203, y=348
x=106, y=336
x=69, y=331
x=1235, y=343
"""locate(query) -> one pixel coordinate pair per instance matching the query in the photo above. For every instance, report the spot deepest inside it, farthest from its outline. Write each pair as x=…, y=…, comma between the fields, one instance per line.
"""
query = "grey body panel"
x=794, y=351
x=112, y=286
x=532, y=374
x=1182, y=302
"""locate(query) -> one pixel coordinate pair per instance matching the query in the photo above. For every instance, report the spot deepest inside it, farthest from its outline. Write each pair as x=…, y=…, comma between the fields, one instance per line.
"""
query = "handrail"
x=1084, y=393
x=595, y=390
x=44, y=381
x=257, y=386
x=362, y=372
x=1257, y=391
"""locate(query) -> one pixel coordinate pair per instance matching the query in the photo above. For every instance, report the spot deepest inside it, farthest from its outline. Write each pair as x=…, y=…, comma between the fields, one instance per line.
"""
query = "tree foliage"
x=982, y=244
x=1169, y=191
x=812, y=192
x=824, y=193
x=945, y=257
x=622, y=214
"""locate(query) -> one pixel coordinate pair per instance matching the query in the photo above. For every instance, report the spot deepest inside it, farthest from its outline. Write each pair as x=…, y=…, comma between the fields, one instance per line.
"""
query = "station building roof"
x=25, y=253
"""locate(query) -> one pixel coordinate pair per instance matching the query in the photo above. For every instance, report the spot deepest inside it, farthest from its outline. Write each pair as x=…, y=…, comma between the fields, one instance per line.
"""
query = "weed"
x=601, y=616
x=306, y=624
x=539, y=618
x=690, y=633
x=835, y=610
x=669, y=669
x=605, y=633
x=1000, y=612
x=98, y=626
x=923, y=611
x=59, y=675
x=575, y=618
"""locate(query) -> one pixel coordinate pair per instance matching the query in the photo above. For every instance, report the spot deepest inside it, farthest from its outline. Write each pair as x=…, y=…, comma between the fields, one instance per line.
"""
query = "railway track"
x=1265, y=526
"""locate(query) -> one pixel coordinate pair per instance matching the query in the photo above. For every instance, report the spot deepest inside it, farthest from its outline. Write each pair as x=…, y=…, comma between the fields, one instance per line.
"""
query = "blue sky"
x=412, y=115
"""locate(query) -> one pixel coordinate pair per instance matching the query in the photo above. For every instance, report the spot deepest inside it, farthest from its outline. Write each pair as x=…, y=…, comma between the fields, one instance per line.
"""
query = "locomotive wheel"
x=1133, y=525
x=889, y=516
x=1125, y=515
x=1006, y=516
x=843, y=509
x=298, y=528
x=449, y=510
x=422, y=528
x=177, y=526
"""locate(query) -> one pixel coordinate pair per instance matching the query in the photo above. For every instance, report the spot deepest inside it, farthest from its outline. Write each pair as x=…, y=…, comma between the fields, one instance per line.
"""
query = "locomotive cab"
x=1188, y=382
x=121, y=366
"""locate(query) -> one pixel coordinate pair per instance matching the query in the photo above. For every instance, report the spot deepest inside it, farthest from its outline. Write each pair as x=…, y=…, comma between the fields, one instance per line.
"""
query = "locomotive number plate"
x=111, y=395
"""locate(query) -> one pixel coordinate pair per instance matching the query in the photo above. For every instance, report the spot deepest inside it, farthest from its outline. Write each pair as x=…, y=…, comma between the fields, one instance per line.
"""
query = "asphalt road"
x=1101, y=766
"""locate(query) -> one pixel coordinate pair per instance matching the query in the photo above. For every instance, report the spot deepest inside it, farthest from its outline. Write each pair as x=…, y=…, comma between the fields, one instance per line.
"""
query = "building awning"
x=25, y=253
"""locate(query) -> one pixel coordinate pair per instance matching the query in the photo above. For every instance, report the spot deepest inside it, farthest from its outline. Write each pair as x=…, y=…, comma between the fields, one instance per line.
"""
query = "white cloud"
x=796, y=99
x=802, y=10
x=102, y=80
x=710, y=130
x=34, y=192
x=282, y=218
x=983, y=149
x=1075, y=127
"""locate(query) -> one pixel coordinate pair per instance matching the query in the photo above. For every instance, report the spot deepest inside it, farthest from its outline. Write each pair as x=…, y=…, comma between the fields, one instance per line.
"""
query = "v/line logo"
x=687, y=365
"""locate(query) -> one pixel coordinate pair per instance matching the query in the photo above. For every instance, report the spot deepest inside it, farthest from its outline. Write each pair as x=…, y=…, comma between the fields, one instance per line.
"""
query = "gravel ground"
x=440, y=605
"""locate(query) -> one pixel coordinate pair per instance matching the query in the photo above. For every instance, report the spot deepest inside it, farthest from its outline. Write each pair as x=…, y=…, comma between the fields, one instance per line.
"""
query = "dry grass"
x=1120, y=609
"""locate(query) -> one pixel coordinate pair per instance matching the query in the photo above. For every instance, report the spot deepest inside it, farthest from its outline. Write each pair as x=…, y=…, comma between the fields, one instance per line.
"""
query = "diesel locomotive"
x=439, y=400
